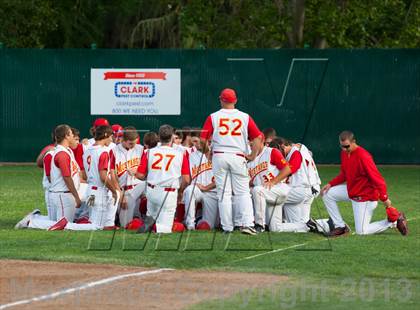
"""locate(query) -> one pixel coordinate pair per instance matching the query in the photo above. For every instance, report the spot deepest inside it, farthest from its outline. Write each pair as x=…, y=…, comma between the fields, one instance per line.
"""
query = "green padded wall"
x=375, y=93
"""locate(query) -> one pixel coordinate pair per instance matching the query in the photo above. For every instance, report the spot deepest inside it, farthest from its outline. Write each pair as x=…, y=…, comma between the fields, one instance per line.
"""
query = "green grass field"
x=372, y=272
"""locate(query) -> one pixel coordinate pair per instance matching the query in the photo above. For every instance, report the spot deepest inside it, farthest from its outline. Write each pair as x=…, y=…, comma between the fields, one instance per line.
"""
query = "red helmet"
x=100, y=122
x=118, y=130
x=203, y=225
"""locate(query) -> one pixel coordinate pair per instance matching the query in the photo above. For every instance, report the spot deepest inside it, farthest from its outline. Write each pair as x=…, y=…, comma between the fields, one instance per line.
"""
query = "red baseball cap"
x=100, y=122
x=117, y=129
x=203, y=225
x=228, y=95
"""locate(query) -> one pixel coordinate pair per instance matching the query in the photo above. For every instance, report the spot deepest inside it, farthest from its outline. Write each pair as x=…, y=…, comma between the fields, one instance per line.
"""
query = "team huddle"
x=227, y=175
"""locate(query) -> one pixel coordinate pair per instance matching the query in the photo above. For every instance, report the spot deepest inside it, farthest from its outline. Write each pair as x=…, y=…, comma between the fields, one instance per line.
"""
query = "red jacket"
x=364, y=181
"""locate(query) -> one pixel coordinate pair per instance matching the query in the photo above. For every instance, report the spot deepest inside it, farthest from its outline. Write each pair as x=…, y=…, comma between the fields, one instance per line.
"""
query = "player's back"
x=92, y=158
x=230, y=132
x=164, y=166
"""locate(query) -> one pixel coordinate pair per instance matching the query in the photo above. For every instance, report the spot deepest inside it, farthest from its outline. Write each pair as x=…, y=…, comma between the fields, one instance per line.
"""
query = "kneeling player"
x=125, y=159
x=202, y=189
x=267, y=171
x=163, y=167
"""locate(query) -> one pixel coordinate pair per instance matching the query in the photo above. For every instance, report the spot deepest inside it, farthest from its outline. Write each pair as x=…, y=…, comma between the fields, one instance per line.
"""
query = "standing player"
x=267, y=172
x=163, y=167
x=65, y=179
x=231, y=129
x=364, y=186
x=202, y=189
x=125, y=159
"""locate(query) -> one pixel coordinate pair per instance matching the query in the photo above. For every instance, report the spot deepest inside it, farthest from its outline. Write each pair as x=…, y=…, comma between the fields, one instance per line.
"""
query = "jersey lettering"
x=225, y=128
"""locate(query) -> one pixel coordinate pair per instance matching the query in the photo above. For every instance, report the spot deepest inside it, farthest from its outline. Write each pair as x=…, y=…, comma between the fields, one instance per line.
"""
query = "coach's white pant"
x=231, y=175
x=133, y=201
x=362, y=211
x=161, y=205
x=62, y=205
x=209, y=201
x=262, y=196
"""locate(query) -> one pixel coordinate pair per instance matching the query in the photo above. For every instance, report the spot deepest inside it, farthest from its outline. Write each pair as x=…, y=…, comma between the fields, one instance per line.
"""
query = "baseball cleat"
x=402, y=224
x=248, y=230
x=23, y=223
x=59, y=225
x=259, y=228
x=311, y=224
x=147, y=226
x=339, y=231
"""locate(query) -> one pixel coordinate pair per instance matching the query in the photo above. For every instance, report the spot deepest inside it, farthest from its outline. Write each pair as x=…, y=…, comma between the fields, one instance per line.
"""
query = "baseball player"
x=150, y=140
x=163, y=167
x=46, y=182
x=269, y=134
x=98, y=122
x=65, y=179
x=304, y=180
x=364, y=186
x=47, y=148
x=267, y=172
x=96, y=163
x=117, y=130
x=104, y=196
x=63, y=174
x=202, y=189
x=125, y=159
x=231, y=129
x=296, y=208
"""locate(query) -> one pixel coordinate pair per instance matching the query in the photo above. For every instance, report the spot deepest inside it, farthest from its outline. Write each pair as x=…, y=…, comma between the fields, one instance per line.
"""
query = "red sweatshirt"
x=364, y=181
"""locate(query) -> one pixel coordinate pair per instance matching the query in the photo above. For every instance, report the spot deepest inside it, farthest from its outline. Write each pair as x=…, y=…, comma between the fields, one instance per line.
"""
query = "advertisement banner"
x=135, y=92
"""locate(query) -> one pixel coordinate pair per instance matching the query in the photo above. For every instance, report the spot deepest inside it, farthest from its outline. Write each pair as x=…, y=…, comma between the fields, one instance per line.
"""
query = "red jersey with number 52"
x=164, y=166
x=231, y=130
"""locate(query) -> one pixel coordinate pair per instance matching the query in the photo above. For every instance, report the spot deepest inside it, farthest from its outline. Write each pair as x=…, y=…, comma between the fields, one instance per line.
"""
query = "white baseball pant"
x=362, y=212
x=276, y=196
x=161, y=205
x=63, y=205
x=104, y=209
x=133, y=201
x=231, y=174
x=296, y=205
x=209, y=201
x=50, y=209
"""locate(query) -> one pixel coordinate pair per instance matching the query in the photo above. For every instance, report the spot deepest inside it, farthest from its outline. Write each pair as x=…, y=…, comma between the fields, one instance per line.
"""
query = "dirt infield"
x=176, y=289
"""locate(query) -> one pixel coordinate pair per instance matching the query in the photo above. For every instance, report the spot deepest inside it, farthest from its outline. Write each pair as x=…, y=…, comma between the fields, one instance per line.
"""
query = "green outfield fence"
x=375, y=93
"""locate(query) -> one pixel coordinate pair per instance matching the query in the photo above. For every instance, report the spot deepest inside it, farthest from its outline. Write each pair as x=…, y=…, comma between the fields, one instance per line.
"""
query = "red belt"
x=237, y=154
x=94, y=188
x=127, y=188
x=166, y=189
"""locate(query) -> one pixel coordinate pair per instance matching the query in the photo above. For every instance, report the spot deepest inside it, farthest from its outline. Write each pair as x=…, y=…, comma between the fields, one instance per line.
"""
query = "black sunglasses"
x=345, y=146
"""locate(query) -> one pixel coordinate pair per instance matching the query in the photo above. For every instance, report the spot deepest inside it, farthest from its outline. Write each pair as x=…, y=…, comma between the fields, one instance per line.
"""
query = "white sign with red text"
x=135, y=92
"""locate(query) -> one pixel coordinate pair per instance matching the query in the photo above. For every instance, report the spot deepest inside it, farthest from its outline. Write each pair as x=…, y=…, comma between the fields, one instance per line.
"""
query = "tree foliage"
x=210, y=23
